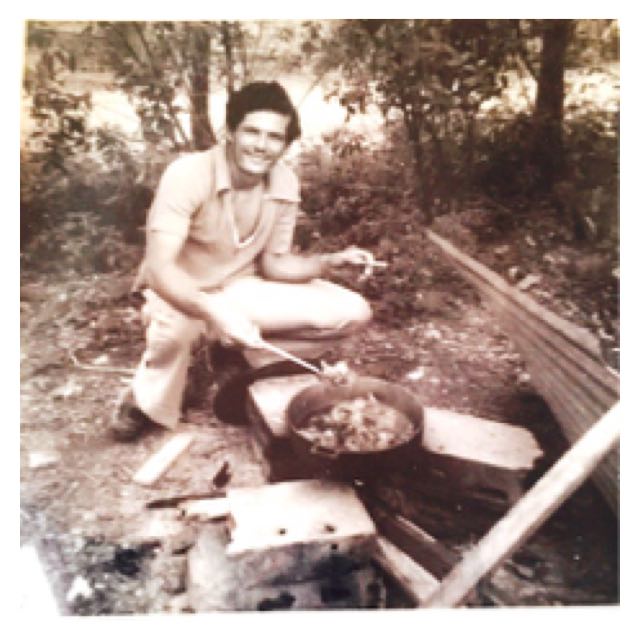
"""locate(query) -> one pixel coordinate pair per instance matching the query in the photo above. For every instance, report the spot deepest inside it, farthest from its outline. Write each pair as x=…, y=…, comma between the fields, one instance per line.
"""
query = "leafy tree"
x=153, y=62
x=433, y=73
x=156, y=61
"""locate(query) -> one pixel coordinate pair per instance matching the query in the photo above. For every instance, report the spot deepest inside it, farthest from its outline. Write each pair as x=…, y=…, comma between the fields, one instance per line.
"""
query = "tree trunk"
x=227, y=43
x=242, y=51
x=201, y=132
x=421, y=170
x=548, y=152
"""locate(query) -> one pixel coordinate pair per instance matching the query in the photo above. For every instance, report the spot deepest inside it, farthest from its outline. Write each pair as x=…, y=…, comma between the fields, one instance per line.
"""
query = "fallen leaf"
x=416, y=374
x=68, y=389
x=42, y=459
x=529, y=281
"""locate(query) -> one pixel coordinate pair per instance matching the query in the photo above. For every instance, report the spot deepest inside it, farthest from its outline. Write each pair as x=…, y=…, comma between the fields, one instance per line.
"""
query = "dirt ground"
x=80, y=339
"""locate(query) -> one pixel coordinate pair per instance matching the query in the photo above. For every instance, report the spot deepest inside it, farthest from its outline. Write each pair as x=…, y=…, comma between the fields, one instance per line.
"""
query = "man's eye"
x=276, y=137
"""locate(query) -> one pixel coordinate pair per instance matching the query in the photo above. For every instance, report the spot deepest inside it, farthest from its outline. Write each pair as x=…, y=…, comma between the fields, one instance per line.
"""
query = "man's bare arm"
x=291, y=267
x=175, y=286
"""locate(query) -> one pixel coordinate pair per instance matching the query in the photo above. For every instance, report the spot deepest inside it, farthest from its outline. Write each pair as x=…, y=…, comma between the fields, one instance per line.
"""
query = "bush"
x=110, y=181
x=362, y=195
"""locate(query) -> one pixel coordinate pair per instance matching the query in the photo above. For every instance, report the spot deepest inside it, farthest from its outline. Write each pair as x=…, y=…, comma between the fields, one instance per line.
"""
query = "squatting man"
x=219, y=259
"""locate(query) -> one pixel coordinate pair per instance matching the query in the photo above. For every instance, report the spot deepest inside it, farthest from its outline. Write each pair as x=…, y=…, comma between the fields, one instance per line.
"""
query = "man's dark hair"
x=262, y=96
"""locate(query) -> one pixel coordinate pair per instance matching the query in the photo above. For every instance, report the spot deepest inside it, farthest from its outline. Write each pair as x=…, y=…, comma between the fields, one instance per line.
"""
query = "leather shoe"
x=129, y=422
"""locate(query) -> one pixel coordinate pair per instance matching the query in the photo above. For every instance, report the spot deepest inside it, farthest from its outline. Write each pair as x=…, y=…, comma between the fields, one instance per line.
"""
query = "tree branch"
x=158, y=74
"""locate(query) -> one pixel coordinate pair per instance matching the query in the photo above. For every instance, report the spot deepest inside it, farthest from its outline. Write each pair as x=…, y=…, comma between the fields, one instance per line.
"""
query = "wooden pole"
x=530, y=512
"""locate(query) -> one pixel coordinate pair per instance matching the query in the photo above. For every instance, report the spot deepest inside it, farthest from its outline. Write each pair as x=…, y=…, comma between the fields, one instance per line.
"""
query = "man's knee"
x=348, y=313
x=359, y=312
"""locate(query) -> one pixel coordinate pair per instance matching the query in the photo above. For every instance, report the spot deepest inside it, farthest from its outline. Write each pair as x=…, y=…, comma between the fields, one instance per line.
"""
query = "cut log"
x=155, y=466
x=298, y=512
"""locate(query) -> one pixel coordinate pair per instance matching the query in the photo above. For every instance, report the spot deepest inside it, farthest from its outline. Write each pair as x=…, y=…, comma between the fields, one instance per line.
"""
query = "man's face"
x=258, y=142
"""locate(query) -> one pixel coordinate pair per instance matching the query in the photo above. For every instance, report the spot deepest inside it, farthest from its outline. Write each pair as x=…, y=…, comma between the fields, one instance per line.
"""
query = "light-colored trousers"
x=315, y=310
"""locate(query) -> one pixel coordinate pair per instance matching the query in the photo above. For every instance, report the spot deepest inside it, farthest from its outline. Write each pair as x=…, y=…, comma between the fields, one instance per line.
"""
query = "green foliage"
x=349, y=177
x=153, y=63
x=363, y=195
x=59, y=114
x=59, y=117
x=433, y=75
x=67, y=167
x=587, y=193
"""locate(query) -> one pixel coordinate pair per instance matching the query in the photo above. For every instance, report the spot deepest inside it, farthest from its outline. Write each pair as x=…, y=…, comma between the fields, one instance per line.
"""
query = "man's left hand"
x=351, y=255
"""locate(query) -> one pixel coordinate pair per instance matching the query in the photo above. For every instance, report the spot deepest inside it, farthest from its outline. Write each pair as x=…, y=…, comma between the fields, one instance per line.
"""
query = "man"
x=218, y=258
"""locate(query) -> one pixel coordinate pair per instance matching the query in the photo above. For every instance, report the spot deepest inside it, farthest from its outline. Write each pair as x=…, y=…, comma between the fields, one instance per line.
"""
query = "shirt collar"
x=278, y=183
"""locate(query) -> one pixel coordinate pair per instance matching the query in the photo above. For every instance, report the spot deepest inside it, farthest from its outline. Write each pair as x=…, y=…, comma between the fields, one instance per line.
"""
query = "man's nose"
x=261, y=141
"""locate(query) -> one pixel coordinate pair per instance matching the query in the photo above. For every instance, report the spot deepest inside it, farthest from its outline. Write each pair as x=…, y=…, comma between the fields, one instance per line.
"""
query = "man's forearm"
x=290, y=267
x=180, y=290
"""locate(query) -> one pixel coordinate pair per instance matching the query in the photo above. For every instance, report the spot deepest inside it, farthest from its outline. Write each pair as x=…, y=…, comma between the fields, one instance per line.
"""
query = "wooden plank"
x=155, y=466
x=526, y=517
x=484, y=441
x=520, y=320
x=596, y=379
x=574, y=342
x=415, y=581
x=574, y=407
x=577, y=336
x=563, y=359
x=413, y=541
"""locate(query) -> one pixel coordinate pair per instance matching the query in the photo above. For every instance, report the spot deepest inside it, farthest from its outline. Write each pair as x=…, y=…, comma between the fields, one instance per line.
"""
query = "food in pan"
x=360, y=424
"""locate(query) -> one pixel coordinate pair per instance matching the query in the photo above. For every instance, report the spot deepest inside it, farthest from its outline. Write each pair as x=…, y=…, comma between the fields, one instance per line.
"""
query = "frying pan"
x=322, y=397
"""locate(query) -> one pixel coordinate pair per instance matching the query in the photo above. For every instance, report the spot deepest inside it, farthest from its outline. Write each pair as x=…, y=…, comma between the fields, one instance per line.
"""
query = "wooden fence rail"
x=563, y=359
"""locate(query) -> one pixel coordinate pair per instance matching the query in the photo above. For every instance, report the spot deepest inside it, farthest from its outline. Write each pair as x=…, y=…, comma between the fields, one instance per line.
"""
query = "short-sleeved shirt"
x=194, y=201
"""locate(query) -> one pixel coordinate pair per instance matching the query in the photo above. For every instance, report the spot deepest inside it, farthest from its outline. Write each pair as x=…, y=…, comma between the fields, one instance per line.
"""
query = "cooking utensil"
x=289, y=356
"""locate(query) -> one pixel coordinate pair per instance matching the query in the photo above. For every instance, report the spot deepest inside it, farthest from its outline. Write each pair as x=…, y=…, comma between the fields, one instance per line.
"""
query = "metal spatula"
x=289, y=356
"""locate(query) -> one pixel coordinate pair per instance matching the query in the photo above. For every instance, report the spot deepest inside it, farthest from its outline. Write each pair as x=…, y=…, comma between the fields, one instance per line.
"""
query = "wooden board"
x=415, y=581
x=205, y=509
x=486, y=441
x=563, y=359
x=155, y=466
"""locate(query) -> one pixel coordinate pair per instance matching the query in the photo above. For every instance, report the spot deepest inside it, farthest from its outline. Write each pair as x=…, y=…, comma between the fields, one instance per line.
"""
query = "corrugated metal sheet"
x=563, y=360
